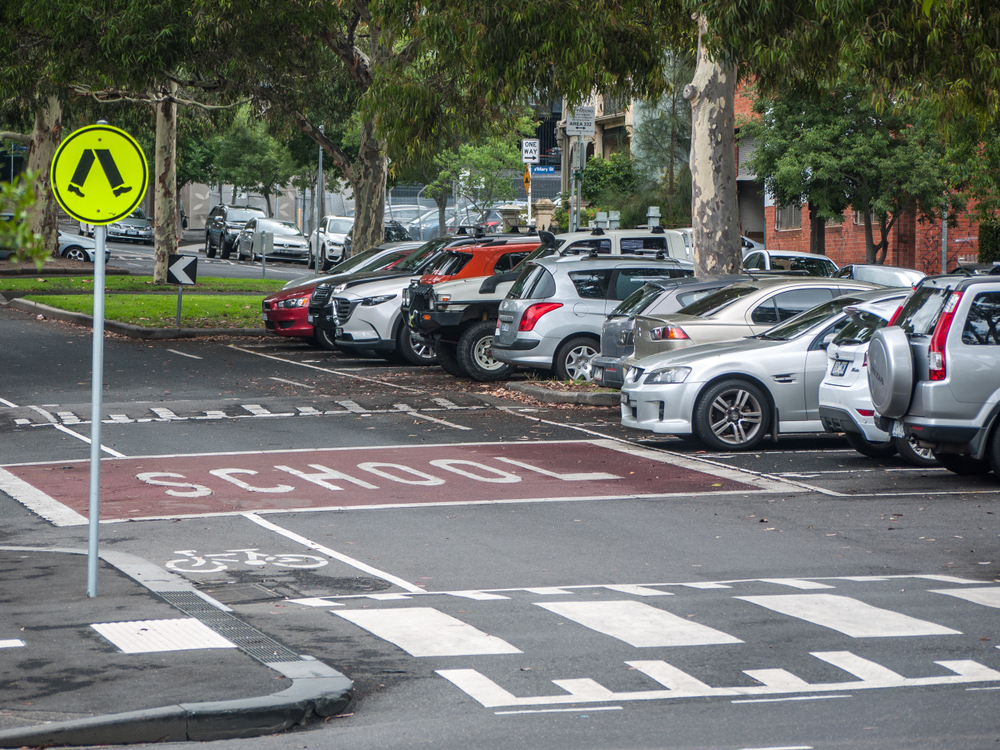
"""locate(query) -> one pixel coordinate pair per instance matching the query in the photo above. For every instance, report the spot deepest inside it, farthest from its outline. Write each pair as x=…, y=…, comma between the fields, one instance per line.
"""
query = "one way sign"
x=182, y=269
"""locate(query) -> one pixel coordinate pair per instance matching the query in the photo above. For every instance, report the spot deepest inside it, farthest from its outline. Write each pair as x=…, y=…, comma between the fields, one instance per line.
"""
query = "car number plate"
x=839, y=368
x=625, y=400
x=504, y=327
x=264, y=315
x=338, y=332
x=311, y=318
x=897, y=430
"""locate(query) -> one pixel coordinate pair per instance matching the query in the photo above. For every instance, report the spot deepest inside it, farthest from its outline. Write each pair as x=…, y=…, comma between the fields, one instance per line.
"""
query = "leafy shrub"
x=989, y=240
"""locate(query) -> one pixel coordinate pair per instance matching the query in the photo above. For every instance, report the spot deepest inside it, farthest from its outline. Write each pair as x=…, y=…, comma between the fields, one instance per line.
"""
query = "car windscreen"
x=860, y=328
x=387, y=260
x=138, y=214
x=243, y=215
x=278, y=227
x=717, y=301
x=805, y=321
x=921, y=311
x=422, y=255
x=340, y=226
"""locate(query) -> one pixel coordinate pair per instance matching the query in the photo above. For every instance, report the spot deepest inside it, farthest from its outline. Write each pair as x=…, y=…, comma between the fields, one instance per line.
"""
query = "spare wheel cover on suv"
x=890, y=372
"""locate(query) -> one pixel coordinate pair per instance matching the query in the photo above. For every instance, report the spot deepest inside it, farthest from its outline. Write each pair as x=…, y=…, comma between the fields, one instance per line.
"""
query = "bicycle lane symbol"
x=216, y=562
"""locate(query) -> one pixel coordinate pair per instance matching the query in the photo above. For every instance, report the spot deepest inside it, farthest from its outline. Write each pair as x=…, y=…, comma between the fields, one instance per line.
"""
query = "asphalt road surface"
x=497, y=573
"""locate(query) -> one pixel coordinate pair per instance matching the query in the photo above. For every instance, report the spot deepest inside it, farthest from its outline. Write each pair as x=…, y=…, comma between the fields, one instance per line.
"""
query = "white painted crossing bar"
x=425, y=631
x=155, y=636
x=681, y=685
x=639, y=624
x=848, y=616
x=988, y=596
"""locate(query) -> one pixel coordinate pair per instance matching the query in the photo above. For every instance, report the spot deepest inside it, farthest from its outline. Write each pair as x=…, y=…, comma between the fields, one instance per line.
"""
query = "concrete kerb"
x=550, y=396
x=126, y=329
x=317, y=690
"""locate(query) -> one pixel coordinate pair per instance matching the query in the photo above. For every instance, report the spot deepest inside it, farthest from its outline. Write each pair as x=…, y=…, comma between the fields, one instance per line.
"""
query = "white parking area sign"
x=529, y=151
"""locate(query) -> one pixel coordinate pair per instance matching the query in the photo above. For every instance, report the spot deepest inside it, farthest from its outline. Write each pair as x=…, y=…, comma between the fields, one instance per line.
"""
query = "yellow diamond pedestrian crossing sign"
x=99, y=174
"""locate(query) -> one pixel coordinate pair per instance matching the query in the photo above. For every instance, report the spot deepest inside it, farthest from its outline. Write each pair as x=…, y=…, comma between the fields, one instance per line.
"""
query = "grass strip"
x=58, y=284
x=160, y=311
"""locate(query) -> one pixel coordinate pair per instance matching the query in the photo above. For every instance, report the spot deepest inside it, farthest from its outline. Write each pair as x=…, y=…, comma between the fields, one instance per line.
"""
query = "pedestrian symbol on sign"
x=103, y=155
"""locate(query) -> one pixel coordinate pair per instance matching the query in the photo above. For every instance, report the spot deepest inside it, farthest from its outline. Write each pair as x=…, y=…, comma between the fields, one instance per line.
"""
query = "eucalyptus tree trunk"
x=44, y=141
x=714, y=212
x=368, y=178
x=165, y=199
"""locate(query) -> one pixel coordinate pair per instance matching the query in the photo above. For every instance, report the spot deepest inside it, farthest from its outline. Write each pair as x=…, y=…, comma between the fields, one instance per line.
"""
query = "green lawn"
x=57, y=284
x=160, y=310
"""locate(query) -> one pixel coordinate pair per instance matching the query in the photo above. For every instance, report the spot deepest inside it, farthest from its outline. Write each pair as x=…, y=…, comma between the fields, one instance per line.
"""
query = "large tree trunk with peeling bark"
x=165, y=198
x=44, y=141
x=714, y=212
x=368, y=179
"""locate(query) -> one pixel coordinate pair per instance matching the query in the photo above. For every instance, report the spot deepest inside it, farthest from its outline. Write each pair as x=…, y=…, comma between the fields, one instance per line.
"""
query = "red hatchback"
x=486, y=259
x=285, y=311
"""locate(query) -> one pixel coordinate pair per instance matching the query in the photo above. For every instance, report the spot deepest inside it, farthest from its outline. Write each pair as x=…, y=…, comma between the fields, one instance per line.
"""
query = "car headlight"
x=293, y=302
x=372, y=301
x=668, y=375
x=339, y=288
x=407, y=294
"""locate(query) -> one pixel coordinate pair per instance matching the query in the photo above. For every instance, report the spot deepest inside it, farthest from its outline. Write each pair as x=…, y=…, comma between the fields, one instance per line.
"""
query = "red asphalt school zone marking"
x=231, y=483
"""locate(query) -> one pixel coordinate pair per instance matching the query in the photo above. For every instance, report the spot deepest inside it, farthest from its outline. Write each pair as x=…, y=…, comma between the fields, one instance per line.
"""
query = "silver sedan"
x=732, y=394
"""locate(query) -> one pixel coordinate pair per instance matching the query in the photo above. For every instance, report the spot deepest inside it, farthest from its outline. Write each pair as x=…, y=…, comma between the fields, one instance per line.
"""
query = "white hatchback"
x=845, y=403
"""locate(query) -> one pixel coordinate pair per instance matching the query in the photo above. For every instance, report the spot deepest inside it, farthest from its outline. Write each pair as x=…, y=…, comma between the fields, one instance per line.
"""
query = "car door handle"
x=789, y=378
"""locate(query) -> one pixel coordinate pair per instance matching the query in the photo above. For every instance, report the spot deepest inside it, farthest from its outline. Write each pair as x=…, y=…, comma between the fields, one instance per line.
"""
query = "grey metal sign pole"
x=96, y=408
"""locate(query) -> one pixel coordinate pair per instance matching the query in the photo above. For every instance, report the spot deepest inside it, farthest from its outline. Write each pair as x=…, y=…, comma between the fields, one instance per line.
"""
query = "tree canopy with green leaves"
x=838, y=151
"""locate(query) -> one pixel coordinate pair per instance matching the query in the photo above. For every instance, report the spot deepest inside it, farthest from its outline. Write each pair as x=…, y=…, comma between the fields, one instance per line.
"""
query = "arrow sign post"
x=183, y=271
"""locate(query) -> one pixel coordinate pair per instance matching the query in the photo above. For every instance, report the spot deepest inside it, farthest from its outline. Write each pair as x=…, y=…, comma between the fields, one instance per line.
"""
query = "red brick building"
x=912, y=244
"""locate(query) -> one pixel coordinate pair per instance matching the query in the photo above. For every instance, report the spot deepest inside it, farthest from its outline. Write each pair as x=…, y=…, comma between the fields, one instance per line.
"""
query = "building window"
x=788, y=217
x=859, y=219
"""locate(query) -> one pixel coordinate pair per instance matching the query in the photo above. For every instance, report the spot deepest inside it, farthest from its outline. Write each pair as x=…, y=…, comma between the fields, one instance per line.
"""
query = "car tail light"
x=667, y=332
x=536, y=311
x=935, y=358
x=866, y=412
x=895, y=315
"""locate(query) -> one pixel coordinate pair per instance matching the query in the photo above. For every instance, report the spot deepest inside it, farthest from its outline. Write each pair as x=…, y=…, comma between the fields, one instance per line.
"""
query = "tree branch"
x=341, y=159
x=6, y=135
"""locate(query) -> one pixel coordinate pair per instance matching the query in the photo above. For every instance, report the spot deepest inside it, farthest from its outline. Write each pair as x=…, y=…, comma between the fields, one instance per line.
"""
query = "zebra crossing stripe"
x=848, y=616
x=988, y=596
x=425, y=631
x=639, y=624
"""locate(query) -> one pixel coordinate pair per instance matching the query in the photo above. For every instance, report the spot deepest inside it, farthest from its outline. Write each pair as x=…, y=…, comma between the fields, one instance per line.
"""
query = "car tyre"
x=448, y=359
x=413, y=350
x=870, y=448
x=226, y=248
x=573, y=359
x=323, y=339
x=475, y=353
x=732, y=415
x=209, y=247
x=909, y=452
x=965, y=466
x=76, y=253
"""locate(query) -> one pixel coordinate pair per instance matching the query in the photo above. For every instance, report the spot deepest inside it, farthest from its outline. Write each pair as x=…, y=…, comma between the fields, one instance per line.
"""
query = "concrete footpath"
x=148, y=659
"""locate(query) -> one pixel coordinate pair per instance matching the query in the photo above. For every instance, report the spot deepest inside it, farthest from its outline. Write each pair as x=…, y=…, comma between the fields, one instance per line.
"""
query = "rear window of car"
x=789, y=304
x=638, y=300
x=629, y=280
x=812, y=266
x=534, y=282
x=984, y=317
x=860, y=328
x=602, y=246
x=921, y=311
x=717, y=301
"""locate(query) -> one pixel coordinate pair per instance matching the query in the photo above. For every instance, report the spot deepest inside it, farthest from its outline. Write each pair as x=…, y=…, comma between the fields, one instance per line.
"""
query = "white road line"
x=639, y=624
x=988, y=596
x=405, y=585
x=191, y=356
x=78, y=436
x=155, y=636
x=292, y=382
x=5, y=402
x=407, y=409
x=425, y=631
x=559, y=710
x=848, y=616
x=12, y=643
x=637, y=590
x=38, y=502
x=48, y=416
x=796, y=583
x=342, y=373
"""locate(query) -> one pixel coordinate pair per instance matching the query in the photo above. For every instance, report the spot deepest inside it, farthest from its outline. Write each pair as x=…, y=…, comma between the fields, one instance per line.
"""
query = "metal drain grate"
x=248, y=639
